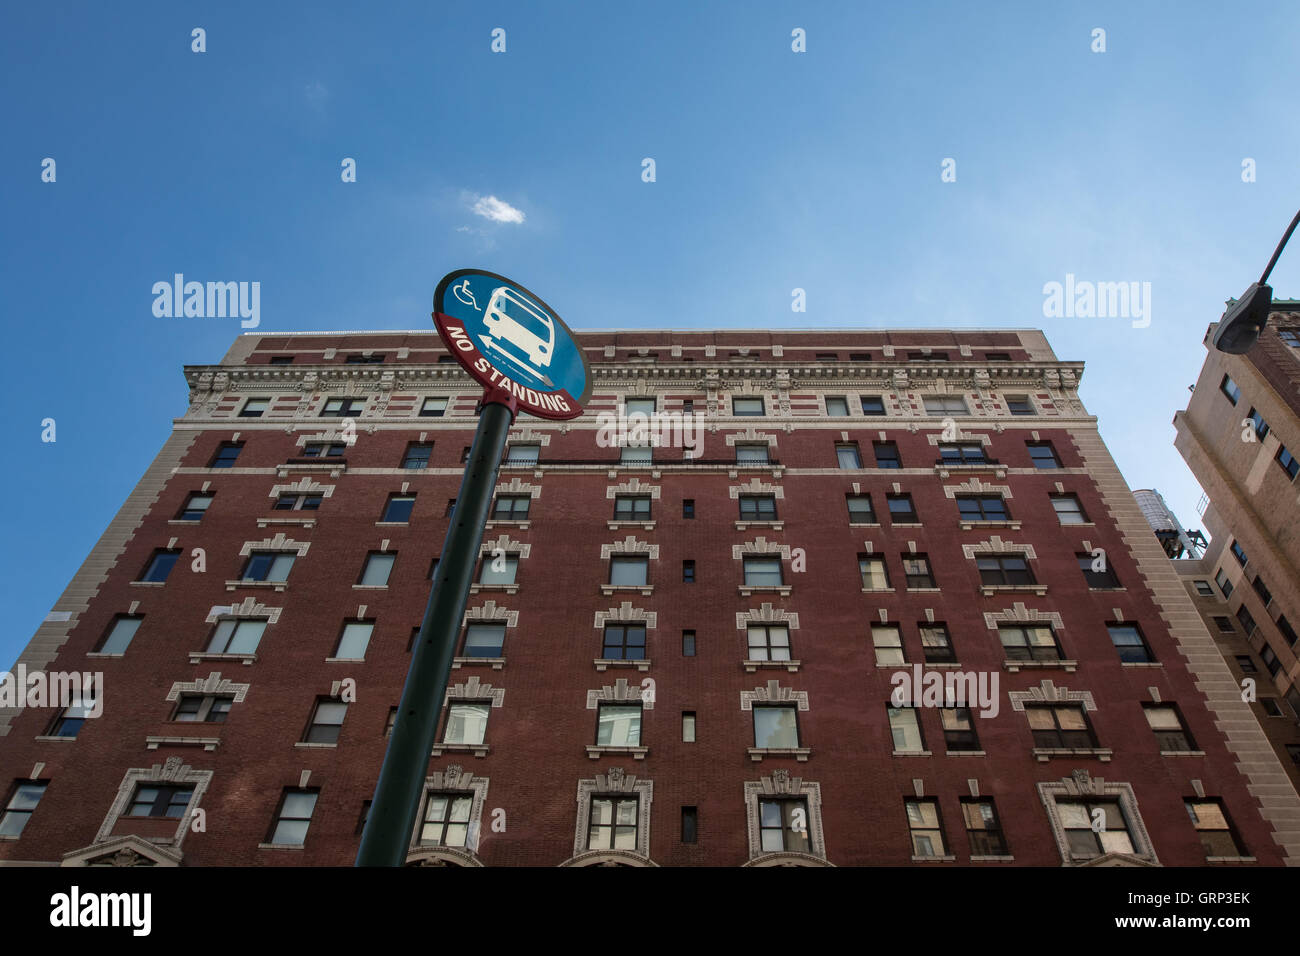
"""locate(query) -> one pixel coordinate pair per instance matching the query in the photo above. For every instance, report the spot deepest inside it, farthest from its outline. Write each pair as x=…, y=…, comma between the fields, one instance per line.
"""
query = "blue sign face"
x=508, y=338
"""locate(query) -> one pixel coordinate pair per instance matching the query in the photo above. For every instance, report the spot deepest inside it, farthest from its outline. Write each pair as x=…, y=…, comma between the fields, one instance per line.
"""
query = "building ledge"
x=878, y=590
x=496, y=662
x=966, y=753
x=1044, y=754
x=988, y=590
x=643, y=525
x=49, y=738
x=333, y=469
x=196, y=656
x=608, y=589
x=771, y=525
x=148, y=584
x=1141, y=664
x=864, y=524
x=281, y=846
x=392, y=524
x=982, y=525
x=993, y=859
x=345, y=660
x=478, y=750
x=275, y=585
x=913, y=753
x=782, y=589
x=1230, y=859
x=314, y=745
x=507, y=523
x=477, y=588
x=604, y=663
x=207, y=743
x=933, y=859
x=1014, y=667
x=799, y=753
x=370, y=587
x=752, y=666
x=303, y=522
x=596, y=751
x=1182, y=753
x=183, y=523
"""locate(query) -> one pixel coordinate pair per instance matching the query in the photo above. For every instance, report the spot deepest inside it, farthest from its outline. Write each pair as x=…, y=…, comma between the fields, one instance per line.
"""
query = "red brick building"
x=671, y=659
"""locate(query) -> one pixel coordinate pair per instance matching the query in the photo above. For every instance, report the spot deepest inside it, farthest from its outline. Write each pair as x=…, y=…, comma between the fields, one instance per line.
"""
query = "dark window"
x=1086, y=840
x=1244, y=661
x=982, y=508
x=783, y=825
x=511, y=507
x=1230, y=388
x=69, y=720
x=268, y=566
x=446, y=819
x=1262, y=590
x=485, y=639
x=688, y=572
x=159, y=800
x=837, y=406
x=1261, y=426
x=872, y=404
x=343, y=408
x=632, y=508
x=398, y=508
x=925, y=827
x=688, y=507
x=254, y=408
x=371, y=359
x=688, y=406
x=1271, y=661
x=763, y=572
x=936, y=644
x=613, y=823
x=1287, y=630
x=1218, y=835
x=1221, y=579
x=887, y=454
x=1020, y=405
x=326, y=722
x=946, y=405
x=1167, y=724
x=1057, y=726
x=1029, y=642
x=688, y=643
x=1239, y=553
x=22, y=803
x=997, y=356
x=281, y=360
x=1246, y=619
x=860, y=510
x=160, y=565
x=1203, y=589
x=1290, y=337
x=298, y=503
x=226, y=454
x=859, y=356
x=828, y=356
x=196, y=506
x=1105, y=578
x=1130, y=644
x=690, y=824
x=752, y=454
x=1043, y=454
x=200, y=708
x=917, y=569
x=1005, y=570
x=958, y=729
x=758, y=507
x=746, y=406
x=417, y=455
x=964, y=453
x=901, y=509
x=324, y=449
x=982, y=826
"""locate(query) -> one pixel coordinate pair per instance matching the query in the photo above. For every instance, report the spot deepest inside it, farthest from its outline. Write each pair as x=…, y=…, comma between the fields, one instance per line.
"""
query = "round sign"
x=509, y=339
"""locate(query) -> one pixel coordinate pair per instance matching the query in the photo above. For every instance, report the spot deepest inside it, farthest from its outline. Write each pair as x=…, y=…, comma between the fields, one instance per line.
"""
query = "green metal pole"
x=391, y=820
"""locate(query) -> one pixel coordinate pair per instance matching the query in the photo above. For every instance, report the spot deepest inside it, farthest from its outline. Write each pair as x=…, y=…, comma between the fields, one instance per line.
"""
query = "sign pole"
x=391, y=820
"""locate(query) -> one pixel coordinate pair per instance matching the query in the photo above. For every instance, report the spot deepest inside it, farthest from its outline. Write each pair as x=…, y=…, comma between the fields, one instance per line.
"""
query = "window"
x=1203, y=588
x=688, y=643
x=624, y=642
x=160, y=565
x=1261, y=426
x=1167, y=724
x=927, y=831
x=688, y=406
x=1221, y=579
x=498, y=568
x=1216, y=831
x=446, y=360
x=343, y=408
x=293, y=817
x=196, y=506
x=22, y=804
x=298, y=503
x=254, y=408
x=326, y=722
x=1287, y=630
x=632, y=508
x=1246, y=620
x=906, y=730
x=847, y=455
x=763, y=572
x=958, y=729
x=775, y=728
x=936, y=644
x=159, y=800
x=464, y=454
x=1288, y=462
x=236, y=636
x=638, y=406
x=1083, y=841
x=524, y=454
x=1290, y=337
x=746, y=406
x=769, y=642
x=1029, y=642
x=752, y=454
x=887, y=454
x=1069, y=510
x=1244, y=661
x=1097, y=580
x=281, y=360
x=837, y=406
x=690, y=824
x=1230, y=388
x=783, y=825
x=119, y=635
x=446, y=819
x=466, y=723
x=378, y=567
x=433, y=407
x=1004, y=570
x=860, y=510
x=628, y=571
x=901, y=509
x=398, y=509
x=688, y=726
x=827, y=356
x=1043, y=454
x=875, y=576
x=1262, y=590
x=872, y=404
x=946, y=405
x=1060, y=726
x=203, y=709
x=917, y=569
x=688, y=508
x=887, y=640
x=272, y=566
x=758, y=507
x=982, y=508
x=226, y=454
x=320, y=449
x=688, y=572
x=982, y=827
x=613, y=823
x=69, y=720
x=619, y=725
x=484, y=640
x=1020, y=405
x=1271, y=707
x=1239, y=553
x=364, y=359
x=354, y=640
x=963, y=453
x=417, y=455
x=1270, y=659
x=511, y=507
x=997, y=356
x=636, y=455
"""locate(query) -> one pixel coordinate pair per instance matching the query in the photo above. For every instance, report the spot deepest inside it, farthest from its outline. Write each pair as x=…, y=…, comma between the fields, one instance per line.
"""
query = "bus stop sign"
x=509, y=339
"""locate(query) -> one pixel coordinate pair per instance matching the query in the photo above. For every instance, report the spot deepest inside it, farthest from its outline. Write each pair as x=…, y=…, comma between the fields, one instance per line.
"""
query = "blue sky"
x=775, y=170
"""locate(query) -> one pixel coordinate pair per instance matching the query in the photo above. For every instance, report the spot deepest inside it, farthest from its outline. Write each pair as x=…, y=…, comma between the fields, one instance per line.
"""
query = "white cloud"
x=489, y=207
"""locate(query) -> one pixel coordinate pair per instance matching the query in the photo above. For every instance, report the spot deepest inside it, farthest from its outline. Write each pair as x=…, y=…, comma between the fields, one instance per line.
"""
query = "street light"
x=1241, y=325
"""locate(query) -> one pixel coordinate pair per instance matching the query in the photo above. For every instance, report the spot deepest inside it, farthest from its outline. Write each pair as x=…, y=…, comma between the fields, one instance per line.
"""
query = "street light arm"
x=1263, y=280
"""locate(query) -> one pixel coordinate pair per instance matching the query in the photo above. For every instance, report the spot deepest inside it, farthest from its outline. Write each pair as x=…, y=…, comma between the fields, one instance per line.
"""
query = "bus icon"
x=516, y=320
